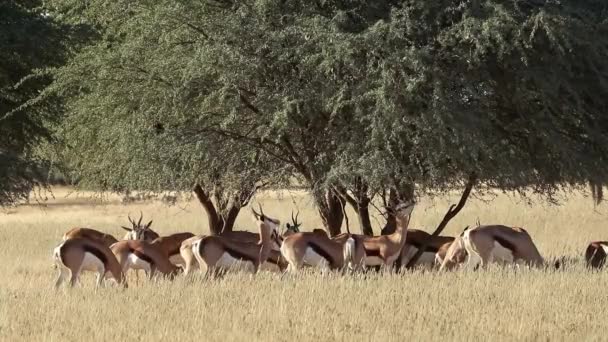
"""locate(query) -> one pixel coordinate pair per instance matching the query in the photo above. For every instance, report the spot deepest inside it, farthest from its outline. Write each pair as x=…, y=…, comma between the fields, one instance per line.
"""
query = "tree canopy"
x=354, y=99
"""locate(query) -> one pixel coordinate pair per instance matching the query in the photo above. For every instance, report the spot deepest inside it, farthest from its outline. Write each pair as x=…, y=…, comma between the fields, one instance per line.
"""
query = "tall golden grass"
x=502, y=304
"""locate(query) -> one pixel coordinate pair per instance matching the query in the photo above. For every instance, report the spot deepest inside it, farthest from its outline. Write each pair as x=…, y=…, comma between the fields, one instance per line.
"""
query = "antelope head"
x=404, y=209
x=139, y=231
x=270, y=224
x=294, y=227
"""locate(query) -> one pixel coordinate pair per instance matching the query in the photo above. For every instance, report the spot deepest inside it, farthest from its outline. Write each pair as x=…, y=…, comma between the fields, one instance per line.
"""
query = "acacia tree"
x=352, y=98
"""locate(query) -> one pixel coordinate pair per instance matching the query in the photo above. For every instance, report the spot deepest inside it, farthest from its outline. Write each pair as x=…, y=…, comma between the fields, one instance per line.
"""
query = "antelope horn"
x=297, y=214
x=141, y=216
x=130, y=219
x=256, y=214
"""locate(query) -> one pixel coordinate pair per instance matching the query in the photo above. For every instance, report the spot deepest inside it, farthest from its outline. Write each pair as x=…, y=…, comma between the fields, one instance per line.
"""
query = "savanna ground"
x=497, y=304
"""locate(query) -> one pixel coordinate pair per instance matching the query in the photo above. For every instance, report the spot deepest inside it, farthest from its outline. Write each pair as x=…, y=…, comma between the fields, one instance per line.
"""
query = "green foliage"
x=30, y=42
x=338, y=93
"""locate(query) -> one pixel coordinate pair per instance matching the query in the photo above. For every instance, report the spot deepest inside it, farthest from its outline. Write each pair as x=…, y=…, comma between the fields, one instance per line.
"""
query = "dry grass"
x=494, y=304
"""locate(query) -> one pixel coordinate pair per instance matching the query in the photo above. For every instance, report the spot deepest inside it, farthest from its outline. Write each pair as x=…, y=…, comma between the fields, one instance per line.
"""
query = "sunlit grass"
x=498, y=303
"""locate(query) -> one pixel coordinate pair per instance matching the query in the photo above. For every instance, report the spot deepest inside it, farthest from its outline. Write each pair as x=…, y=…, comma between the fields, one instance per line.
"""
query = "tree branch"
x=451, y=213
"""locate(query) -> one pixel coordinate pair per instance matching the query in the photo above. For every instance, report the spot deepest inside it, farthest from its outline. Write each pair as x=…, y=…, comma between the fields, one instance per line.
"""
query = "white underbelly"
x=501, y=254
x=314, y=259
x=177, y=259
x=91, y=263
x=136, y=263
x=227, y=261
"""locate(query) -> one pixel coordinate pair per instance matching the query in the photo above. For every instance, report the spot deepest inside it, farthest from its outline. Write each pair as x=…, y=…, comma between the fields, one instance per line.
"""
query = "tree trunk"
x=452, y=212
x=394, y=198
x=364, y=221
x=230, y=218
x=330, y=209
x=215, y=221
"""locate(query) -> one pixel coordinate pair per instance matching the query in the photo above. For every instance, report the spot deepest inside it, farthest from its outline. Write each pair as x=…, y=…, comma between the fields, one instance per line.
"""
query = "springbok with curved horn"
x=220, y=252
x=139, y=231
x=595, y=254
x=496, y=243
x=78, y=254
x=294, y=227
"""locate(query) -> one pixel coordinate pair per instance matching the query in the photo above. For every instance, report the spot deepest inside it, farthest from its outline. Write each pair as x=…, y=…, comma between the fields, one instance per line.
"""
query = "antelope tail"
x=349, y=252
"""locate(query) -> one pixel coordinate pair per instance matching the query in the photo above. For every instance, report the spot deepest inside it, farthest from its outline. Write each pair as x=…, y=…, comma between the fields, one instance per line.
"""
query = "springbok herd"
x=85, y=249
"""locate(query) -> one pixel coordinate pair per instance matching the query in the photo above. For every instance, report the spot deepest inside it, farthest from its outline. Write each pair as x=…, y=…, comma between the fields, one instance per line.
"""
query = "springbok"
x=221, y=252
x=78, y=254
x=384, y=250
x=170, y=246
x=139, y=231
x=497, y=243
x=91, y=234
x=142, y=255
x=318, y=250
x=595, y=255
x=415, y=239
x=455, y=254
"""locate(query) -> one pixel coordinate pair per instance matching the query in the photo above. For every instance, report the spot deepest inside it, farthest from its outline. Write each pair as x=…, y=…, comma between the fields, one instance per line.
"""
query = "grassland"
x=499, y=304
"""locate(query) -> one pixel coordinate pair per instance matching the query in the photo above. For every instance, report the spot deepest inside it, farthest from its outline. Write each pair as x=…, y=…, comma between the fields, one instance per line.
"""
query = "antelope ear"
x=125, y=228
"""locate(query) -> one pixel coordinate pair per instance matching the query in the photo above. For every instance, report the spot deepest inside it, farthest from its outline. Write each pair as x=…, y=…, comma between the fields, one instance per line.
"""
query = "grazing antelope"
x=185, y=251
x=595, y=255
x=221, y=252
x=415, y=239
x=142, y=255
x=91, y=234
x=170, y=246
x=497, y=243
x=79, y=254
x=139, y=232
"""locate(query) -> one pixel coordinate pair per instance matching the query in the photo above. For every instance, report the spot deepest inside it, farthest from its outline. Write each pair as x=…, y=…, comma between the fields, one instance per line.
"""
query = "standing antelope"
x=595, y=255
x=415, y=239
x=220, y=252
x=385, y=249
x=139, y=231
x=142, y=255
x=170, y=246
x=77, y=254
x=497, y=243
x=318, y=250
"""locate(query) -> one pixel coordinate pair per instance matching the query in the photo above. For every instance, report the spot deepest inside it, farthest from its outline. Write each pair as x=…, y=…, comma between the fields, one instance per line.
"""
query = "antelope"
x=79, y=254
x=415, y=239
x=294, y=227
x=386, y=249
x=220, y=252
x=497, y=243
x=454, y=254
x=318, y=250
x=170, y=246
x=139, y=232
x=91, y=234
x=185, y=251
x=595, y=255
x=142, y=255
